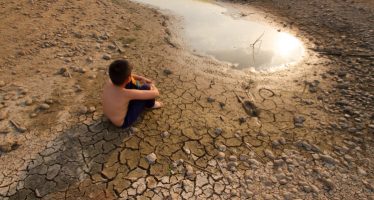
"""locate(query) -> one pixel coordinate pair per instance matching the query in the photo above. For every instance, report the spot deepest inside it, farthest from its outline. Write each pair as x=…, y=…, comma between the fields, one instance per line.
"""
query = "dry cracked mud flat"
x=312, y=139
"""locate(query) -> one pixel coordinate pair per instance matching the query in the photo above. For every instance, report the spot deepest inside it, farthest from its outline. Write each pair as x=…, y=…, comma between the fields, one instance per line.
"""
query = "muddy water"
x=213, y=30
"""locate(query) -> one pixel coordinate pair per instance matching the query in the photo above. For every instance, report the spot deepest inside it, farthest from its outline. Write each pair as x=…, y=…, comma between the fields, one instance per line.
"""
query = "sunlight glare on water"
x=210, y=29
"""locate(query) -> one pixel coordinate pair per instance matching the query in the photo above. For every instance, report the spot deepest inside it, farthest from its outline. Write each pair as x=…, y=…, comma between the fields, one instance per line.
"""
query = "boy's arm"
x=142, y=94
x=141, y=78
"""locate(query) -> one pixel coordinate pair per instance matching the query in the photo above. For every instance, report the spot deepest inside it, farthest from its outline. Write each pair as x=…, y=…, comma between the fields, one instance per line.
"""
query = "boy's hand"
x=147, y=80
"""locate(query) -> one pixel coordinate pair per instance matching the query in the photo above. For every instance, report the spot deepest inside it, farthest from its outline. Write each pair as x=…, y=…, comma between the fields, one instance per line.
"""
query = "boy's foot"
x=157, y=105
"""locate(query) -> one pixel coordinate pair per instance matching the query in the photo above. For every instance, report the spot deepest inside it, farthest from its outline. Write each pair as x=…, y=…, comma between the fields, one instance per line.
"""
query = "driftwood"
x=119, y=47
x=336, y=52
x=249, y=107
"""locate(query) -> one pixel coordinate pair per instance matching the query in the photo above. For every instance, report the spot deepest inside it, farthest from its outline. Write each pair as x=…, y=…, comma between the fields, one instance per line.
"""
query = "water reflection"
x=211, y=29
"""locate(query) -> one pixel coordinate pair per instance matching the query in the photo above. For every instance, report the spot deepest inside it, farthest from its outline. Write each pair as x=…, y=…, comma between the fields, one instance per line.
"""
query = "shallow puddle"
x=214, y=30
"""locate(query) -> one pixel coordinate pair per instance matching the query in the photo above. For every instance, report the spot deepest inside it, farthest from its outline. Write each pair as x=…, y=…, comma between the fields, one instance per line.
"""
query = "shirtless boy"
x=126, y=95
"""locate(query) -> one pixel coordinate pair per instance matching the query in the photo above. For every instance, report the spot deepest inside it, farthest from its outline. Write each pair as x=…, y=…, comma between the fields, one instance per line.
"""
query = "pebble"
x=3, y=115
x=211, y=99
x=28, y=101
x=49, y=101
x=328, y=159
x=151, y=158
x=269, y=154
x=186, y=150
x=361, y=171
x=254, y=162
x=8, y=146
x=232, y=164
x=82, y=110
x=282, y=140
x=44, y=106
x=243, y=157
x=112, y=47
x=91, y=109
x=222, y=147
x=298, y=121
x=218, y=131
x=89, y=60
x=221, y=155
x=328, y=183
x=189, y=171
x=133, y=129
x=233, y=158
x=2, y=83
x=32, y=115
x=167, y=71
x=165, y=134
x=107, y=57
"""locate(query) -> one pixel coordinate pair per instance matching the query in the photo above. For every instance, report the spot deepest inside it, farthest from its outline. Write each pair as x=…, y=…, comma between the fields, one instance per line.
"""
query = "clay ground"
x=312, y=139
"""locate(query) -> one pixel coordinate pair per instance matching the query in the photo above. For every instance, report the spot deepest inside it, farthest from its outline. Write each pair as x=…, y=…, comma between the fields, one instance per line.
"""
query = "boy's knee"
x=145, y=87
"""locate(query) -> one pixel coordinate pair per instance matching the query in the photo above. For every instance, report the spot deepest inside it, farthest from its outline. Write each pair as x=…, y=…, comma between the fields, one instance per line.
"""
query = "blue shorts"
x=136, y=107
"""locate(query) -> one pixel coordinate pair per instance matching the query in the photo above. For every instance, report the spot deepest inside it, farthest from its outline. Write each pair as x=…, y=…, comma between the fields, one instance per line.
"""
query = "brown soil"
x=70, y=151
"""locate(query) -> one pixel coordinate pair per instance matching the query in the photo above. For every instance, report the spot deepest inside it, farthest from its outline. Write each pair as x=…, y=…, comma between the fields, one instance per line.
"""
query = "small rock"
x=62, y=70
x=361, y=171
x=189, y=171
x=92, y=76
x=82, y=110
x=44, y=106
x=167, y=71
x=211, y=99
x=222, y=147
x=3, y=115
x=32, y=115
x=49, y=101
x=133, y=130
x=243, y=157
x=254, y=162
x=328, y=159
x=8, y=147
x=151, y=158
x=165, y=134
x=328, y=183
x=221, y=155
x=298, y=121
x=232, y=164
x=2, y=83
x=28, y=101
x=268, y=153
x=91, y=109
x=112, y=47
x=89, y=60
x=218, y=131
x=107, y=57
x=282, y=140
x=186, y=150
x=233, y=158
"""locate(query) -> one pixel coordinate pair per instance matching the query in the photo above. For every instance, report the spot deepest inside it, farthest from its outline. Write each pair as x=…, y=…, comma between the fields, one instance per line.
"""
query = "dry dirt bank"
x=310, y=141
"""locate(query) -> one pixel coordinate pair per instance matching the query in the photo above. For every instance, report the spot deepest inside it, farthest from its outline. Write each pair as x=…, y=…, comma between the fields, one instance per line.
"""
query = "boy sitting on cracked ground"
x=126, y=95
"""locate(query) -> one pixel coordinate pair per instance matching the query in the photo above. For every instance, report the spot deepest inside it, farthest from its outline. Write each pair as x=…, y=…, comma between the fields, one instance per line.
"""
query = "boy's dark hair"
x=119, y=71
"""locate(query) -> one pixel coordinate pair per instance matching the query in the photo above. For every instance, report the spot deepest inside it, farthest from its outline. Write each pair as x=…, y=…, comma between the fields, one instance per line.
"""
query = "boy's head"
x=120, y=71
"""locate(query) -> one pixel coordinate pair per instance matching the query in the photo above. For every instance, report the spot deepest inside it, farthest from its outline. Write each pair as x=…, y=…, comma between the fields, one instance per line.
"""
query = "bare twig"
x=250, y=148
x=198, y=167
x=254, y=44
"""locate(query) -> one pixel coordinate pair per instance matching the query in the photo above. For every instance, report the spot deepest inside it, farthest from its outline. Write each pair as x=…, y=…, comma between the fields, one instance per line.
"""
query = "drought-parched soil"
x=311, y=140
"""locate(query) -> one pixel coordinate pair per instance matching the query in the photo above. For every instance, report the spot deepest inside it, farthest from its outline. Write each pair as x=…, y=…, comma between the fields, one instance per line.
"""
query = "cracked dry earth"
x=56, y=144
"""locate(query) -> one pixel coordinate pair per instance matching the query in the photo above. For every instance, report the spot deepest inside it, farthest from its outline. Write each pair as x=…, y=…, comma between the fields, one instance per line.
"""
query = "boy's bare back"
x=116, y=101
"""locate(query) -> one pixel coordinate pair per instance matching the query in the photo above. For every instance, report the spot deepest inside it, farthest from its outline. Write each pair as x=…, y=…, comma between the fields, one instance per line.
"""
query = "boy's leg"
x=150, y=102
x=136, y=107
